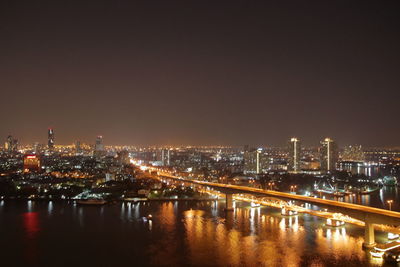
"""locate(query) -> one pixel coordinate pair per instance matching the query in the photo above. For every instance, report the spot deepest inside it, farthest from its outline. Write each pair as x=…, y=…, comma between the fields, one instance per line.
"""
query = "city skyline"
x=283, y=143
x=199, y=133
x=227, y=73
x=51, y=140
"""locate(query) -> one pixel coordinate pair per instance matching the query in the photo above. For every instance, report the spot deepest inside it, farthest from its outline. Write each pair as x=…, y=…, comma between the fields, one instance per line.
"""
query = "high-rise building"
x=78, y=148
x=37, y=147
x=255, y=162
x=11, y=144
x=294, y=154
x=328, y=155
x=99, y=143
x=123, y=157
x=99, y=147
x=166, y=157
x=50, y=139
x=8, y=143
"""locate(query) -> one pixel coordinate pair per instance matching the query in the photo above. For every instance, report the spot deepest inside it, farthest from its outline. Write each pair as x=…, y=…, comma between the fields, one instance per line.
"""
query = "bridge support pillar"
x=369, y=237
x=229, y=202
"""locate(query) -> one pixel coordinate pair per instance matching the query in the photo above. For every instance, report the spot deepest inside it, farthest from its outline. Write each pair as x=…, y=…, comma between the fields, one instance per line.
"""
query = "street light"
x=390, y=204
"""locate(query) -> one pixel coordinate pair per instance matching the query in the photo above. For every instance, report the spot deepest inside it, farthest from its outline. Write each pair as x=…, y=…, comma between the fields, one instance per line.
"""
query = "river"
x=181, y=233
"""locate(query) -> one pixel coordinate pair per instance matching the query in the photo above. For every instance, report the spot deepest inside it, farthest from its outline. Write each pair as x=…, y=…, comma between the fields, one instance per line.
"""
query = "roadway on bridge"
x=313, y=200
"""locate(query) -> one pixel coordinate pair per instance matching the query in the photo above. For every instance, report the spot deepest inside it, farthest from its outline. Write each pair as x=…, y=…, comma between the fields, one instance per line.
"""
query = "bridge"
x=369, y=215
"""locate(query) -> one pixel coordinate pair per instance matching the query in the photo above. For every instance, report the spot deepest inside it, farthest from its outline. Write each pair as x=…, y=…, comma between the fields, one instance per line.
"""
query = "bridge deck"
x=313, y=200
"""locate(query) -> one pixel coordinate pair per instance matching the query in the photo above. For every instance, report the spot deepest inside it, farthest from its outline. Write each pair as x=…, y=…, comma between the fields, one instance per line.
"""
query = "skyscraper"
x=255, y=162
x=50, y=139
x=11, y=144
x=328, y=155
x=8, y=143
x=123, y=157
x=99, y=147
x=165, y=157
x=99, y=143
x=294, y=154
x=78, y=149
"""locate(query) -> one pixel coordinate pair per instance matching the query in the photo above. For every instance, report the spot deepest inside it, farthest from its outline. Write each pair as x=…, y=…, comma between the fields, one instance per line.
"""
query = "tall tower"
x=294, y=154
x=50, y=139
x=328, y=154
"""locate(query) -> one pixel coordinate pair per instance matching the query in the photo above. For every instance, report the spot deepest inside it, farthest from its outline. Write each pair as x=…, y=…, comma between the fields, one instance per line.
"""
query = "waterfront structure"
x=294, y=154
x=328, y=155
x=50, y=139
x=382, y=155
x=31, y=163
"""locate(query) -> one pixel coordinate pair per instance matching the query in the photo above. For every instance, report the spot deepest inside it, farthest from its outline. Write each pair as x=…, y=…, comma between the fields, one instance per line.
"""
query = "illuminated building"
x=11, y=145
x=294, y=154
x=328, y=155
x=78, y=149
x=123, y=157
x=255, y=162
x=99, y=147
x=353, y=153
x=165, y=157
x=381, y=155
x=7, y=144
x=36, y=147
x=31, y=163
x=311, y=165
x=50, y=139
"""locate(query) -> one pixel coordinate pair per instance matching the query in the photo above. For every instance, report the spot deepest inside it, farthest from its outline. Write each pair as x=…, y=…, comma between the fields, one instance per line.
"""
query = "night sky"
x=201, y=72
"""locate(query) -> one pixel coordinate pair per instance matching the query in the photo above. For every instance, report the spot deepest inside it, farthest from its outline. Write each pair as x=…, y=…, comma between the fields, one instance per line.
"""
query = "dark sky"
x=201, y=72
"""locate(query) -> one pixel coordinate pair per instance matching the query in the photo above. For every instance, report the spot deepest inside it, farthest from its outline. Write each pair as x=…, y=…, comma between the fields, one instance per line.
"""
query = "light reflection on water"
x=371, y=171
x=266, y=240
x=182, y=234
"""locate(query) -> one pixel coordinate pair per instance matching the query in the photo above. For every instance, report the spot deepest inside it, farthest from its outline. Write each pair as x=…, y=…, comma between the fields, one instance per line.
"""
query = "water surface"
x=181, y=233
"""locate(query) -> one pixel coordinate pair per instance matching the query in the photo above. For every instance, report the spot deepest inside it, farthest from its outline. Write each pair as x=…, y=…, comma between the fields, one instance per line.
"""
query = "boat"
x=369, y=191
x=91, y=201
x=335, y=193
x=387, y=246
x=288, y=212
x=334, y=223
x=376, y=253
x=392, y=236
